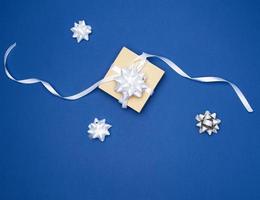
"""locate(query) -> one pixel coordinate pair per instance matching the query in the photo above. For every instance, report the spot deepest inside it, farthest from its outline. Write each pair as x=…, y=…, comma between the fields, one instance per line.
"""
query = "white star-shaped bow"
x=130, y=82
x=81, y=31
x=208, y=122
x=99, y=129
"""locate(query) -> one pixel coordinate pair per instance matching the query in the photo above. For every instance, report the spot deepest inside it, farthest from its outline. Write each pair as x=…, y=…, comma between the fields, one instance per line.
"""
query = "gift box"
x=152, y=73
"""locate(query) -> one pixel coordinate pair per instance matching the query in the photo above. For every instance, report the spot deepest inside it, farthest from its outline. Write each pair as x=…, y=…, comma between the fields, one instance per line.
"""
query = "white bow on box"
x=130, y=81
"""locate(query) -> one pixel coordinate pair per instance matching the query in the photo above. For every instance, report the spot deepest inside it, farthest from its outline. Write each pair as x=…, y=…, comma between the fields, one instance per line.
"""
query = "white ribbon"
x=85, y=92
x=208, y=79
x=48, y=86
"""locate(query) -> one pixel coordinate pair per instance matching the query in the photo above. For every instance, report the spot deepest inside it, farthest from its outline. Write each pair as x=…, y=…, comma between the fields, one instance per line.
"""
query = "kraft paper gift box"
x=152, y=73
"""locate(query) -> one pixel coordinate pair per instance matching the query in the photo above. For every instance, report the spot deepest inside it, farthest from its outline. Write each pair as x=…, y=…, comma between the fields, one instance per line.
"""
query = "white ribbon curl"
x=88, y=90
x=206, y=79
x=48, y=86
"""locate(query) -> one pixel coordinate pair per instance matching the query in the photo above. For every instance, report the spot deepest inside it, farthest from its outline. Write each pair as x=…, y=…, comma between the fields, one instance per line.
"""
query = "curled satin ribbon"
x=88, y=90
x=206, y=79
x=48, y=86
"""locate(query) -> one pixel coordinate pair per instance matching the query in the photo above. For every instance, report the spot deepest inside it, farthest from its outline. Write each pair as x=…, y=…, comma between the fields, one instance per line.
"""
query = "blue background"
x=44, y=149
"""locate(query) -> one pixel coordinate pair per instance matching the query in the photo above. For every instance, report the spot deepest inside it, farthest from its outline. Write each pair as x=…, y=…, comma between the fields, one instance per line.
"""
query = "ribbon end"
x=250, y=110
